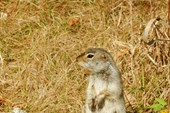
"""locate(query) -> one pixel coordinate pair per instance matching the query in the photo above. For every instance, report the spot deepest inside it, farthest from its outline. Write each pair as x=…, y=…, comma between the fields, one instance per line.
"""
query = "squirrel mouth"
x=86, y=72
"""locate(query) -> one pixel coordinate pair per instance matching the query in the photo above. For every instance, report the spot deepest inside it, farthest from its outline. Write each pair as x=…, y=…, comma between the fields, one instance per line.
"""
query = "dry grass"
x=40, y=39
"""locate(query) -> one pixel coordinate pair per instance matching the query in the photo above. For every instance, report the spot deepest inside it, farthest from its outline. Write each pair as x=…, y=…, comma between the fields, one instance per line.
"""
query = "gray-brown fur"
x=104, y=92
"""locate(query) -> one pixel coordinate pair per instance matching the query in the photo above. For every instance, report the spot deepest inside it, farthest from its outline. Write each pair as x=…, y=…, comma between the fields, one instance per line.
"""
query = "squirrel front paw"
x=96, y=103
x=91, y=105
x=99, y=102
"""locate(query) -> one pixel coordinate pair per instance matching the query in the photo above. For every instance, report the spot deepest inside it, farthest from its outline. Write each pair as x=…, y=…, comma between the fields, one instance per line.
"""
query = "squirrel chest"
x=98, y=84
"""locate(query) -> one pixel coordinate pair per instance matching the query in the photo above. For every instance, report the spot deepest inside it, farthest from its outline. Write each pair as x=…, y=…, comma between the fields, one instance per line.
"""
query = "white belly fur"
x=101, y=85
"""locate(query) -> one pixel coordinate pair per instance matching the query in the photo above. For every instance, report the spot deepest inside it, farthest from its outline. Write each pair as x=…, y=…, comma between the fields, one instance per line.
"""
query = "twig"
x=153, y=61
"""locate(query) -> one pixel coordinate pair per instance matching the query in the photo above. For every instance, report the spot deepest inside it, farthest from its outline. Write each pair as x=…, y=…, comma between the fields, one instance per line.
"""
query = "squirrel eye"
x=90, y=56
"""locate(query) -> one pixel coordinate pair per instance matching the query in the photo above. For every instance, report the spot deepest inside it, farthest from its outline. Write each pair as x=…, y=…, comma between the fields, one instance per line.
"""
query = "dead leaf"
x=72, y=21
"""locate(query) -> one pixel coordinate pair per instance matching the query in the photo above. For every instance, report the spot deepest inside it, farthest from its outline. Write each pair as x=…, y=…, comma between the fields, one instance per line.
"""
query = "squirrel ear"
x=103, y=56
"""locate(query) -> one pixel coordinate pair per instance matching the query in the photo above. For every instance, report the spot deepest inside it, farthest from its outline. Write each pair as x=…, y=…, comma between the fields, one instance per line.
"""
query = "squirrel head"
x=94, y=60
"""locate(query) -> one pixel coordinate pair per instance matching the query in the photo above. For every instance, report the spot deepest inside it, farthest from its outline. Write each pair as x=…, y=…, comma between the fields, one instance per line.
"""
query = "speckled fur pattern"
x=104, y=91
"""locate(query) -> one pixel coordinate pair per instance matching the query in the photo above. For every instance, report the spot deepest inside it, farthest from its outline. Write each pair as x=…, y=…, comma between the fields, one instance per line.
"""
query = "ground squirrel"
x=104, y=91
